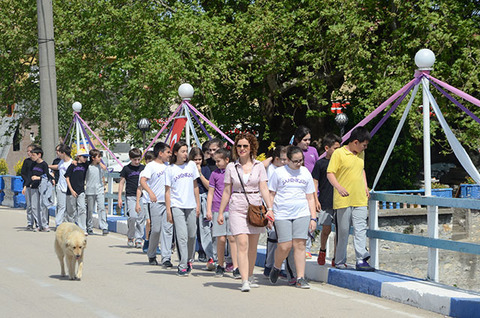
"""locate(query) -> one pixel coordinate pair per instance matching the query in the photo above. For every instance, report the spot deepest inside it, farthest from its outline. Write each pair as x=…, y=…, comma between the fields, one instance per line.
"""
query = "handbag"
x=256, y=214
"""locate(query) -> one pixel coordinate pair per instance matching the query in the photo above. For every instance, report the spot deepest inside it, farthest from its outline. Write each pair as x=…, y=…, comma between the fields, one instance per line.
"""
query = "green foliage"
x=267, y=65
x=3, y=167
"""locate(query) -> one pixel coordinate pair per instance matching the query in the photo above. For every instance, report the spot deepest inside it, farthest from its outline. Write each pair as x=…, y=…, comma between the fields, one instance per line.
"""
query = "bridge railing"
x=110, y=197
x=432, y=241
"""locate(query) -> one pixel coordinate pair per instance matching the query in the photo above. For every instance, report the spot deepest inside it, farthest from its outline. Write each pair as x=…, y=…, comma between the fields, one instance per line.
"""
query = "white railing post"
x=373, y=225
x=110, y=191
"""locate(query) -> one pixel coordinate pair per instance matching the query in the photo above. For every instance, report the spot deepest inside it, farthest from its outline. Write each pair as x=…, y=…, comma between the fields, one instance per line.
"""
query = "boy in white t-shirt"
x=153, y=182
x=63, y=152
x=142, y=202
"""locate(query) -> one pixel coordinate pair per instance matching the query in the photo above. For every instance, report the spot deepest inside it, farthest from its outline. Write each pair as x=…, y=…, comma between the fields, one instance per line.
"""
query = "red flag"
x=178, y=126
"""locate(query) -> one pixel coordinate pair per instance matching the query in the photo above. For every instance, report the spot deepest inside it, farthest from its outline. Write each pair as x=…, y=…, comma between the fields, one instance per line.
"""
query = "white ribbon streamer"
x=457, y=148
x=395, y=137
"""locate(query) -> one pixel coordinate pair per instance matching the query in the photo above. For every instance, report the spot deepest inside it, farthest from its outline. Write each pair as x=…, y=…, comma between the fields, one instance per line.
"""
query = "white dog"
x=70, y=242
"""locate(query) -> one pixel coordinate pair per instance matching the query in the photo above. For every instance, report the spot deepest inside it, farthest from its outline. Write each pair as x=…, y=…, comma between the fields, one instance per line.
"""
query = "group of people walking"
x=79, y=187
x=182, y=196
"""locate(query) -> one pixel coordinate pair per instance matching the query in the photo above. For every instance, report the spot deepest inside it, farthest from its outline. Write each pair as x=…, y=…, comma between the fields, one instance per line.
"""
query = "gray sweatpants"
x=77, y=211
x=99, y=199
x=160, y=230
x=205, y=229
x=39, y=214
x=136, y=221
x=185, y=224
x=61, y=207
x=271, y=247
x=28, y=202
x=356, y=217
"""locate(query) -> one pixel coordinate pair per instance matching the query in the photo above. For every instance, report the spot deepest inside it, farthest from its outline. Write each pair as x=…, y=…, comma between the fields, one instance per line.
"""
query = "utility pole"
x=48, y=80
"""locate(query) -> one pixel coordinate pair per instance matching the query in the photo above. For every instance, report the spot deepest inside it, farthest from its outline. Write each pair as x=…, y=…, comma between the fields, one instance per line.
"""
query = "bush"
x=3, y=167
x=18, y=167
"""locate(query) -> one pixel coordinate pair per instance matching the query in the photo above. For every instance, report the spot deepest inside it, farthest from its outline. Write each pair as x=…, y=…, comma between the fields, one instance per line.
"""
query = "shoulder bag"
x=256, y=214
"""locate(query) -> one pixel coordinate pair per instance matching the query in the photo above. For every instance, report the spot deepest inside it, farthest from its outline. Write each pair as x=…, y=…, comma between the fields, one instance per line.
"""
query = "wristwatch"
x=314, y=219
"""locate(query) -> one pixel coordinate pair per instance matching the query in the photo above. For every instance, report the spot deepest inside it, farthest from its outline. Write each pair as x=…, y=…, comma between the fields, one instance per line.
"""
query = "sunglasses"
x=297, y=161
x=243, y=146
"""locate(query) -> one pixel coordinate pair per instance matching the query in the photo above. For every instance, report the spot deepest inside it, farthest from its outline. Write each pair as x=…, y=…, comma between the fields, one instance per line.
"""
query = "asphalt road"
x=118, y=282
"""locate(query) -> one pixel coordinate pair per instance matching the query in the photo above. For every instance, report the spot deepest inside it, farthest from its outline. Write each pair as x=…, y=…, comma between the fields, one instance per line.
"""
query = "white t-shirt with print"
x=155, y=174
x=62, y=168
x=180, y=180
x=291, y=187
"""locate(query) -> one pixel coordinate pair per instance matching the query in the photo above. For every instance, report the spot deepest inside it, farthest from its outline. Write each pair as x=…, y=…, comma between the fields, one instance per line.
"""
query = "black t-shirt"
x=56, y=173
x=131, y=175
x=77, y=176
x=211, y=164
x=325, y=189
x=206, y=173
x=26, y=172
x=39, y=169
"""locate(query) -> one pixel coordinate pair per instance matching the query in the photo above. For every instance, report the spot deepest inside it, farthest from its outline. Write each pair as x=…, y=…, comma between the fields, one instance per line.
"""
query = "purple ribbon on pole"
x=456, y=91
x=393, y=108
x=163, y=128
x=378, y=110
x=200, y=124
x=168, y=135
x=101, y=142
x=208, y=122
x=453, y=100
x=69, y=129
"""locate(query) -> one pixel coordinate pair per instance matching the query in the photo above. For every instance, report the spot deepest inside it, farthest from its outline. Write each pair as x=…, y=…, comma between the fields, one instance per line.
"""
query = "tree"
x=264, y=64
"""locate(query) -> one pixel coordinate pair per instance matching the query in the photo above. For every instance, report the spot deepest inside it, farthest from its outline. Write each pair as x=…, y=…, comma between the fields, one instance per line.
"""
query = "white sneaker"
x=253, y=282
x=245, y=286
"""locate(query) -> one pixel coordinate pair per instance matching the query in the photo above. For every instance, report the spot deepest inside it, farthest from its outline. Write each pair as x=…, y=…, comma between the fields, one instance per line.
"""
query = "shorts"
x=220, y=230
x=325, y=217
x=290, y=229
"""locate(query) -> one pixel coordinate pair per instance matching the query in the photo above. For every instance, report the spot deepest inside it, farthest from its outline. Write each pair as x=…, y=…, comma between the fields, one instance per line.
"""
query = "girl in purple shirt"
x=302, y=139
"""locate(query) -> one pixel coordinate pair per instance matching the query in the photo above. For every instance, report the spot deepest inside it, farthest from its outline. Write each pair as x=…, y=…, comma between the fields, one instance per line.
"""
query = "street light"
x=341, y=120
x=144, y=126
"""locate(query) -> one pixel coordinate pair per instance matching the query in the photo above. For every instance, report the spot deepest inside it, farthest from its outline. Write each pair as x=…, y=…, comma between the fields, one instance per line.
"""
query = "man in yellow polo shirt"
x=350, y=198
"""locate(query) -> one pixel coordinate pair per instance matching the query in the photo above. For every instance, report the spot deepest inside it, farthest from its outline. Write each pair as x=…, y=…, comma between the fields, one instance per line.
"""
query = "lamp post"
x=186, y=91
x=424, y=59
x=341, y=120
x=144, y=126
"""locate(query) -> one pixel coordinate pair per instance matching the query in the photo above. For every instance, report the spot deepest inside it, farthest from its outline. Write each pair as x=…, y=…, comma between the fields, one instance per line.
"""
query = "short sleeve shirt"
x=180, y=180
x=206, y=172
x=291, y=187
x=238, y=202
x=94, y=180
x=348, y=170
x=62, y=168
x=310, y=157
x=155, y=174
x=131, y=175
x=38, y=169
x=217, y=182
x=325, y=189
x=77, y=175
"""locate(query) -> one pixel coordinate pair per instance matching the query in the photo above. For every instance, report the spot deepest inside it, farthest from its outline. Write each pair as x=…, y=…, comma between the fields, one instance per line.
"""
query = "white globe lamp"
x=77, y=107
x=185, y=91
x=424, y=59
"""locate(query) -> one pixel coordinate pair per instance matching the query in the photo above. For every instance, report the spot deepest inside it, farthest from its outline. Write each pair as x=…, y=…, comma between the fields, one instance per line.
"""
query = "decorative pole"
x=185, y=91
x=425, y=60
x=77, y=107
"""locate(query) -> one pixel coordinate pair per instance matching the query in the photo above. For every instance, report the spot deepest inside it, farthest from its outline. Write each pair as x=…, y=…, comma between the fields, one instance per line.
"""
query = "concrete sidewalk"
x=419, y=293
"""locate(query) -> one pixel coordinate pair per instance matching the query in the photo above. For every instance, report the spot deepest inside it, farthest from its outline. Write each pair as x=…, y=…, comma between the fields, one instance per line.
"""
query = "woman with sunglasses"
x=251, y=173
x=293, y=195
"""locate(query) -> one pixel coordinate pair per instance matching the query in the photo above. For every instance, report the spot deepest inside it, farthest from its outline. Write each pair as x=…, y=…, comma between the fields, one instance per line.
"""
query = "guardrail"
x=432, y=241
x=109, y=196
